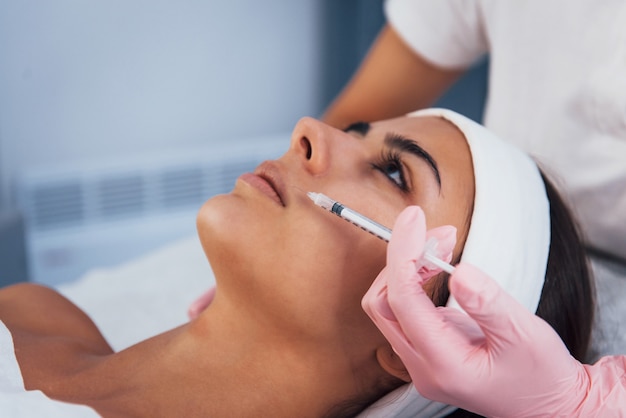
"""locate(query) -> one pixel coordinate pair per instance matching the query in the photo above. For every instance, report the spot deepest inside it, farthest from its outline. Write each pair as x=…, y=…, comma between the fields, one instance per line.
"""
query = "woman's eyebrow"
x=362, y=128
x=404, y=144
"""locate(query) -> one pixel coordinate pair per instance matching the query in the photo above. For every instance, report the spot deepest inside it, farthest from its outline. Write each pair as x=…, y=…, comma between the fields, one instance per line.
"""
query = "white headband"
x=509, y=238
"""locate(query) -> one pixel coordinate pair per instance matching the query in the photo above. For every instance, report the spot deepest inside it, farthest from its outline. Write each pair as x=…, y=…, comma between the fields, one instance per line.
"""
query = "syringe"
x=372, y=227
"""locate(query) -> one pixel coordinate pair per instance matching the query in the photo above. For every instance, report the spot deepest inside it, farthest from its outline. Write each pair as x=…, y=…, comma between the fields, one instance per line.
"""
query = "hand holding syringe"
x=373, y=227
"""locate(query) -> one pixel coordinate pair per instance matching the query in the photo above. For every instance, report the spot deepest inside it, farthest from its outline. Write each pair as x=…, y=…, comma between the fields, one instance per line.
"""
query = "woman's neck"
x=221, y=364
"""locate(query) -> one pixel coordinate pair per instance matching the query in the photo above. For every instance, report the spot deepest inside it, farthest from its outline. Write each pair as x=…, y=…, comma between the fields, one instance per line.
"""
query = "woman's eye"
x=394, y=173
x=391, y=166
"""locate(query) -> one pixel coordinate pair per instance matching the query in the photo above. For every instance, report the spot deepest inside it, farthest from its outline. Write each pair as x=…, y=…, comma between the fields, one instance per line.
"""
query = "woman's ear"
x=391, y=363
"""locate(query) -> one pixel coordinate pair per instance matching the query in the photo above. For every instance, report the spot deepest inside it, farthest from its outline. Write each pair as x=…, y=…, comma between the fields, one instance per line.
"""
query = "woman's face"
x=305, y=269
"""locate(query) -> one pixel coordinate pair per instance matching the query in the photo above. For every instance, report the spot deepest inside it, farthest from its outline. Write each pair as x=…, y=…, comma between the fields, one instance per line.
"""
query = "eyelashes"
x=390, y=164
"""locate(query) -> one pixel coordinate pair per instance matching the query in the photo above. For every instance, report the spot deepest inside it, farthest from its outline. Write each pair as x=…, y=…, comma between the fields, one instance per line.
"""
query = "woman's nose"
x=310, y=141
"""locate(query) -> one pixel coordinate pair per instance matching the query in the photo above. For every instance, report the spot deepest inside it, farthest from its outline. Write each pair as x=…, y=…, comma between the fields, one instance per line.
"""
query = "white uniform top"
x=557, y=88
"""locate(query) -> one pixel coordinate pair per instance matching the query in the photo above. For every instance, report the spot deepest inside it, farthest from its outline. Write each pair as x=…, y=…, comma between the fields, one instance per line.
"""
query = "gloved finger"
x=375, y=302
x=408, y=238
x=443, y=354
x=502, y=318
x=377, y=308
x=416, y=314
x=464, y=326
x=375, y=299
x=200, y=304
x=445, y=236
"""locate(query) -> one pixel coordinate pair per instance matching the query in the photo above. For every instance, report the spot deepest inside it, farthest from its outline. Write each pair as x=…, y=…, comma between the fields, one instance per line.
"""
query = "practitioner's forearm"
x=391, y=81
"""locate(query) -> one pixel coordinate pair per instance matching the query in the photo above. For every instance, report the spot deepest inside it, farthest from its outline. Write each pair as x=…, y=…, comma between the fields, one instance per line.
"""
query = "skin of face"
x=299, y=271
x=286, y=318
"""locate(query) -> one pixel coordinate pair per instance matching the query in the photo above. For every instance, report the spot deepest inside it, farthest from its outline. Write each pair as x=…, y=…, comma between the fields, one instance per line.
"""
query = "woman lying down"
x=285, y=335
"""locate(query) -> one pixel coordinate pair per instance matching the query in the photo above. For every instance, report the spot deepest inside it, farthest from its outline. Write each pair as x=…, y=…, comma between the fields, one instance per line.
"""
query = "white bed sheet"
x=144, y=297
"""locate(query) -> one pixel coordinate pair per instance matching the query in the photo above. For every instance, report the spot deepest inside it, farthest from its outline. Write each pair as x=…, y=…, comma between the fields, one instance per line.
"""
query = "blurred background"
x=119, y=118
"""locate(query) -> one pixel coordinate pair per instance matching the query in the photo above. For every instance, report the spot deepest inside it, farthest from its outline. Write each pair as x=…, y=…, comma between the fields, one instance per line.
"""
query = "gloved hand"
x=501, y=360
x=200, y=304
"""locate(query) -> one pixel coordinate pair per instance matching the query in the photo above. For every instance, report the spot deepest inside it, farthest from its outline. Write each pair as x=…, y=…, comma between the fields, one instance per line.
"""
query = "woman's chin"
x=225, y=227
x=215, y=218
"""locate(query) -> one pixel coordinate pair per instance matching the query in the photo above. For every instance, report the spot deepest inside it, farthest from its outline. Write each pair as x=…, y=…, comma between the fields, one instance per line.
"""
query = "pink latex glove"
x=501, y=360
x=200, y=304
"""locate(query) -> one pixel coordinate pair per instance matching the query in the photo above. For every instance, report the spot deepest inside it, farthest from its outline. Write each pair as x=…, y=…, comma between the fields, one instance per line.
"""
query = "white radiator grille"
x=121, y=196
x=183, y=186
x=56, y=203
x=73, y=213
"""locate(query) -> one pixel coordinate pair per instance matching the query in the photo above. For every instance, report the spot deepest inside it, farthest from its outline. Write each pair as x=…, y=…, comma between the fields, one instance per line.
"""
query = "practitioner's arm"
x=501, y=360
x=391, y=81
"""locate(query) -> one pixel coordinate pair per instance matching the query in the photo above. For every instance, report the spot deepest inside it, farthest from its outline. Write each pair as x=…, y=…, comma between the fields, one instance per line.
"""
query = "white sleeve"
x=447, y=33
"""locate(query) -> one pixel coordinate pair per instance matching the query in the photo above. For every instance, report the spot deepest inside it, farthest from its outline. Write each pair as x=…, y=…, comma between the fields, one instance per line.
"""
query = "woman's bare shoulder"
x=54, y=340
x=40, y=311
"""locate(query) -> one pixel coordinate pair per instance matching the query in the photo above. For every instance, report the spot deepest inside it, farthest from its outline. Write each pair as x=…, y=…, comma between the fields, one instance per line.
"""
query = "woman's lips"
x=262, y=185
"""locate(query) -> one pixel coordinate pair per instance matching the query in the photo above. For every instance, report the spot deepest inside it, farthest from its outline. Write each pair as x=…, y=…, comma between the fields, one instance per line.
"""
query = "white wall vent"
x=96, y=214
x=56, y=203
